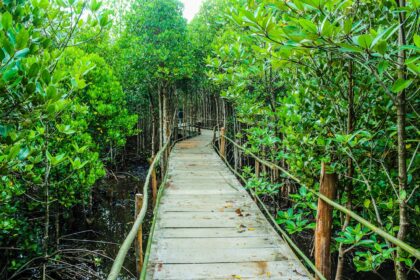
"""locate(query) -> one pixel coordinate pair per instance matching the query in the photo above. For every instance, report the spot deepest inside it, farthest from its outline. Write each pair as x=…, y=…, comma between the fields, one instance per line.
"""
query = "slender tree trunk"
x=47, y=218
x=350, y=171
x=160, y=116
x=138, y=136
x=402, y=168
x=57, y=227
x=165, y=117
x=328, y=187
x=152, y=117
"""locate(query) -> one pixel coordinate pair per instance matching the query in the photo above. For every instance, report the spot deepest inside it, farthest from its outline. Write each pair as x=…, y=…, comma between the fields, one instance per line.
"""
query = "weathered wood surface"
x=208, y=227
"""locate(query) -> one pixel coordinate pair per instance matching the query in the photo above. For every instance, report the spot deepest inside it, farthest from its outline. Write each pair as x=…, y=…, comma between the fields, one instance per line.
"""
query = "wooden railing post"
x=257, y=168
x=222, y=142
x=328, y=188
x=154, y=183
x=139, y=248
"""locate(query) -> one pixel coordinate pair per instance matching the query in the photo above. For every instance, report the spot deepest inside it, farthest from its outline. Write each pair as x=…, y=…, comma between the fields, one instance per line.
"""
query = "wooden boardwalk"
x=208, y=227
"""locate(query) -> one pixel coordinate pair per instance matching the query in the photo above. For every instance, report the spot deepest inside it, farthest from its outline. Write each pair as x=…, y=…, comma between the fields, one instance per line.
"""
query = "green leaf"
x=417, y=40
x=408, y=262
x=103, y=21
x=378, y=247
x=23, y=153
x=388, y=32
x=46, y=77
x=55, y=160
x=33, y=70
x=382, y=66
x=410, y=47
x=22, y=53
x=308, y=25
x=381, y=47
x=49, y=156
x=13, y=152
x=66, y=129
x=400, y=85
x=348, y=25
x=9, y=74
x=6, y=20
x=95, y=5
x=414, y=68
x=363, y=41
x=22, y=39
x=350, y=48
x=366, y=203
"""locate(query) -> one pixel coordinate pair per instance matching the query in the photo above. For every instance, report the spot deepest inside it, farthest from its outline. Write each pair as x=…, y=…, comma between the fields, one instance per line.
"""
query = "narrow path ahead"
x=208, y=227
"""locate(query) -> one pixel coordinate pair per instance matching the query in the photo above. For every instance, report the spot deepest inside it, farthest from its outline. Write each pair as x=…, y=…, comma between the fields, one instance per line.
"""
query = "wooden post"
x=139, y=248
x=154, y=183
x=257, y=168
x=328, y=187
x=222, y=142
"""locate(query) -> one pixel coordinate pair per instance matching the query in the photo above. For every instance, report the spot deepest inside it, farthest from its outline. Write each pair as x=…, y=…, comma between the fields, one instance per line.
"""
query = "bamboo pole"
x=328, y=187
x=122, y=253
x=273, y=220
x=131, y=236
x=139, y=248
x=154, y=183
x=408, y=248
x=222, y=142
x=257, y=168
x=152, y=229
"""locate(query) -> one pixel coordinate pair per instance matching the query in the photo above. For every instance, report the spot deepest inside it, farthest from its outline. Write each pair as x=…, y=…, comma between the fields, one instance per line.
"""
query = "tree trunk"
x=350, y=171
x=160, y=116
x=328, y=187
x=402, y=168
x=165, y=117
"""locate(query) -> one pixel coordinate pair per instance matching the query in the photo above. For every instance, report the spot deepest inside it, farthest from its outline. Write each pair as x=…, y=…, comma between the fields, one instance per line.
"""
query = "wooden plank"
x=196, y=183
x=222, y=255
x=212, y=232
x=241, y=207
x=216, y=215
x=225, y=200
x=174, y=244
x=195, y=221
x=278, y=270
x=203, y=191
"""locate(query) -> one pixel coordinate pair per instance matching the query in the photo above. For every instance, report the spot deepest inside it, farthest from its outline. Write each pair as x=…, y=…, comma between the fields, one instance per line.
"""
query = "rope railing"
x=397, y=242
x=152, y=230
x=308, y=262
x=122, y=253
x=155, y=210
x=125, y=246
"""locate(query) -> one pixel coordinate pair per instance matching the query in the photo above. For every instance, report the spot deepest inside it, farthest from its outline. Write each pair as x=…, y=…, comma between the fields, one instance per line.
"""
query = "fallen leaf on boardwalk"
x=236, y=276
x=229, y=205
x=239, y=212
x=242, y=228
x=251, y=229
x=297, y=272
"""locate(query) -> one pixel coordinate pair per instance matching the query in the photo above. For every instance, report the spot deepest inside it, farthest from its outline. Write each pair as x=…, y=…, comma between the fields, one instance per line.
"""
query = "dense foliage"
x=62, y=117
x=334, y=82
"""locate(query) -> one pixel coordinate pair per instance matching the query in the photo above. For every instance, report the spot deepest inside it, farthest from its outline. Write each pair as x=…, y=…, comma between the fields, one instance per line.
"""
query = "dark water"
x=102, y=226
